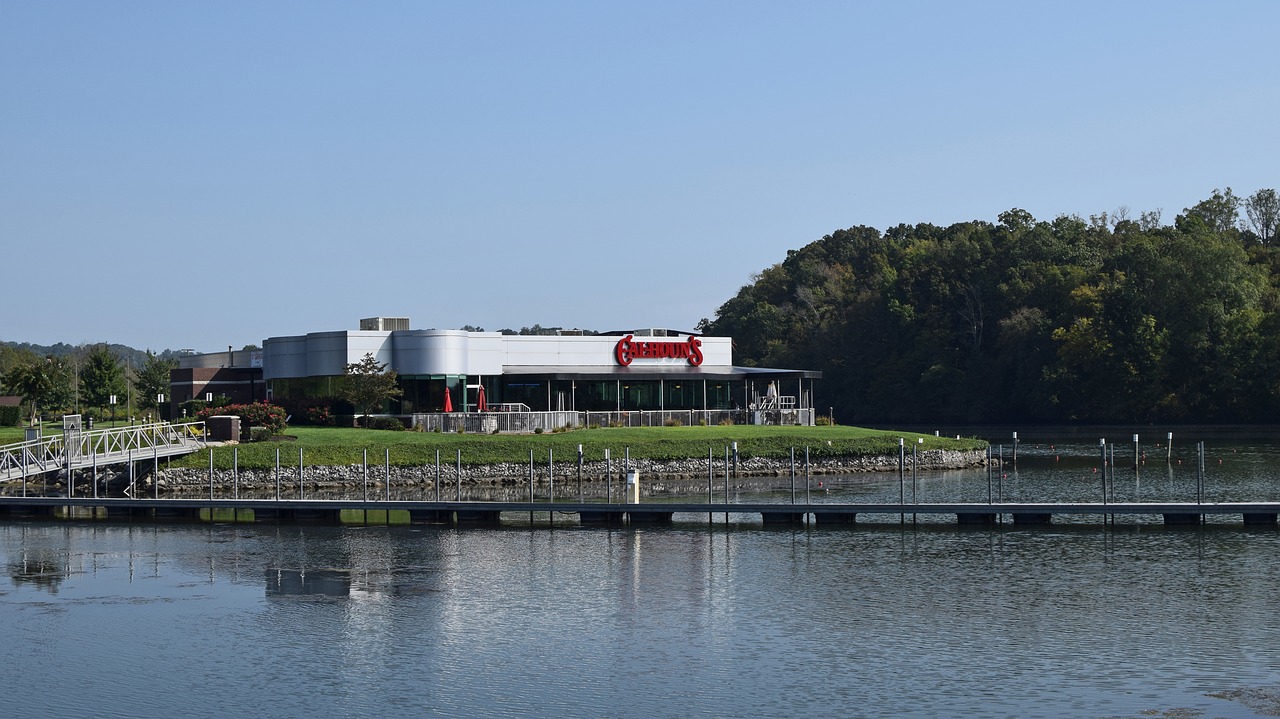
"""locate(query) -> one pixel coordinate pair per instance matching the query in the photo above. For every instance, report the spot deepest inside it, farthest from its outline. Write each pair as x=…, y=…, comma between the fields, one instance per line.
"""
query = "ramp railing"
x=76, y=449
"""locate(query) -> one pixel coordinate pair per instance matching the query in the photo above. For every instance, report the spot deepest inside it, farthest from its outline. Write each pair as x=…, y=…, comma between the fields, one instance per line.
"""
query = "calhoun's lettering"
x=628, y=349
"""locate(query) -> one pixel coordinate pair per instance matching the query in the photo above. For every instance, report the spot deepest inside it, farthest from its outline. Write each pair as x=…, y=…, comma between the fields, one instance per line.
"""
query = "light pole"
x=159, y=404
x=112, y=400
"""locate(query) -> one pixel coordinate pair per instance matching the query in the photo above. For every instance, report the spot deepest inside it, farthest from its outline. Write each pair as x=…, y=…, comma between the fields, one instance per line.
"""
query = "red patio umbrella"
x=448, y=401
x=481, y=405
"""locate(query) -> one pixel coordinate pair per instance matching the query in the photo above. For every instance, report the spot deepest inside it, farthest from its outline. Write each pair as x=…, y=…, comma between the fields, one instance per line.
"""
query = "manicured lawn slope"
x=337, y=447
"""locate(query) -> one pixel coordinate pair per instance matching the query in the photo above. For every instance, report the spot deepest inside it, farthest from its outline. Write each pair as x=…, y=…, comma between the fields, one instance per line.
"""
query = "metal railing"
x=490, y=422
x=75, y=449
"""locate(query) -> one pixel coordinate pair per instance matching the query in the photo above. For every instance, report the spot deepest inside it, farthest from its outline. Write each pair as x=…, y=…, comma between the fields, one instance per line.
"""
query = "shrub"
x=258, y=414
x=320, y=415
x=672, y=422
x=259, y=434
x=702, y=421
x=726, y=422
x=822, y=421
x=10, y=416
x=537, y=430
x=390, y=423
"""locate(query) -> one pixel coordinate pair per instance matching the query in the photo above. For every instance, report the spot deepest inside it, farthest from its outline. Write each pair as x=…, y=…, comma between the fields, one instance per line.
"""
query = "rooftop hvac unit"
x=385, y=324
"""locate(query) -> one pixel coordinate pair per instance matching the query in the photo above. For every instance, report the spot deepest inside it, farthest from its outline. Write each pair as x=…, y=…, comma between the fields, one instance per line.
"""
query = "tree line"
x=84, y=380
x=1106, y=319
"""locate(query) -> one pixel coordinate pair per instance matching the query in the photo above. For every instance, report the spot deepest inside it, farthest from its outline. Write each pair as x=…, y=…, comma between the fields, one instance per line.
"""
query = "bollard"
x=1102, y=445
x=633, y=486
x=793, y=475
x=710, y=470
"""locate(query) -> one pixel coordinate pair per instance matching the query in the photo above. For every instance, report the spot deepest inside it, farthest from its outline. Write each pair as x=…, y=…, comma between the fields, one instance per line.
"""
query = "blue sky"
x=200, y=175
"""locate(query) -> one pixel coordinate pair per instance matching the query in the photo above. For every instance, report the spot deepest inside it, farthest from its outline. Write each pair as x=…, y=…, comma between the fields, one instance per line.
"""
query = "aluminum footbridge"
x=98, y=448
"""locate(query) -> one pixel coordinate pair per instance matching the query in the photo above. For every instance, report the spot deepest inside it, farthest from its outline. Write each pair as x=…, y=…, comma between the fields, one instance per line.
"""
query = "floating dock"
x=358, y=511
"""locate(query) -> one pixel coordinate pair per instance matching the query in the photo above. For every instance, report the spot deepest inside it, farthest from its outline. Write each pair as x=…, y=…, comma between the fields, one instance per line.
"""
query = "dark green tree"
x=1263, y=210
x=101, y=375
x=44, y=384
x=1221, y=212
x=153, y=380
x=369, y=385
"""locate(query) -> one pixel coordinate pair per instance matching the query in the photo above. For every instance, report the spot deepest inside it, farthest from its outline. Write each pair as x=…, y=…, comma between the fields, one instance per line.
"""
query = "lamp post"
x=159, y=405
x=112, y=400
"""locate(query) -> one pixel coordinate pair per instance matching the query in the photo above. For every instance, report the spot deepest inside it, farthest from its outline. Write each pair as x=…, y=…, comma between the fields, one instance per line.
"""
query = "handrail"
x=74, y=449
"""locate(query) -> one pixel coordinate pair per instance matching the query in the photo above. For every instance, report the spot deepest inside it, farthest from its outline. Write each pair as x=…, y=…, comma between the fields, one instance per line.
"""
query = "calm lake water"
x=695, y=619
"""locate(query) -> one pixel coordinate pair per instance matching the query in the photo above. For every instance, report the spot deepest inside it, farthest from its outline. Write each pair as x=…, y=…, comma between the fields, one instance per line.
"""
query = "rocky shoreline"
x=517, y=474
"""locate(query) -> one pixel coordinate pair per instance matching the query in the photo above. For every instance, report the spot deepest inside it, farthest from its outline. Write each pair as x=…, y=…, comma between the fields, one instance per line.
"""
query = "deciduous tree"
x=1263, y=211
x=43, y=384
x=153, y=380
x=369, y=384
x=101, y=376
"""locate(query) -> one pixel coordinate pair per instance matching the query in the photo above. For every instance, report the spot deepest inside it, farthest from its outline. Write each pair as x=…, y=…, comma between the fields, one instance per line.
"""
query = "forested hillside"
x=1097, y=320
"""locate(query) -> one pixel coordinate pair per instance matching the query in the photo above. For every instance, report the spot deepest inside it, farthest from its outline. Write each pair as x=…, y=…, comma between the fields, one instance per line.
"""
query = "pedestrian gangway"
x=76, y=449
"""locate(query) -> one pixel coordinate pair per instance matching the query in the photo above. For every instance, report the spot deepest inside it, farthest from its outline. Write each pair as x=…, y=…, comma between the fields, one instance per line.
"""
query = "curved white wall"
x=426, y=352
x=326, y=354
x=284, y=357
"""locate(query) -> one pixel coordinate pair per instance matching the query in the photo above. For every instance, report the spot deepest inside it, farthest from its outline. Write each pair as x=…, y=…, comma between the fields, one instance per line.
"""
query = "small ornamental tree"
x=369, y=385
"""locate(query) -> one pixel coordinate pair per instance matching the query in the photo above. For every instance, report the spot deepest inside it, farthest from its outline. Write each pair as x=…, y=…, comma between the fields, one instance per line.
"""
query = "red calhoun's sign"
x=629, y=349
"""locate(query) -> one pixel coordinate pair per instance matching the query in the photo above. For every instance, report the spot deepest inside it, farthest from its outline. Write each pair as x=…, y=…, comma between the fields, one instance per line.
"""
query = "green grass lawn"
x=328, y=446
x=9, y=435
x=332, y=446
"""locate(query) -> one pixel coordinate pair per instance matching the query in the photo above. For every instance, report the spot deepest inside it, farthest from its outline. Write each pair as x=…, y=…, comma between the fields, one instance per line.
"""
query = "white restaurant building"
x=653, y=373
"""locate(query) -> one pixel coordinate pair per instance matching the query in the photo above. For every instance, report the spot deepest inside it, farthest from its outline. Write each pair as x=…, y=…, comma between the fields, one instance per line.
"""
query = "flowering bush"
x=258, y=414
x=320, y=415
